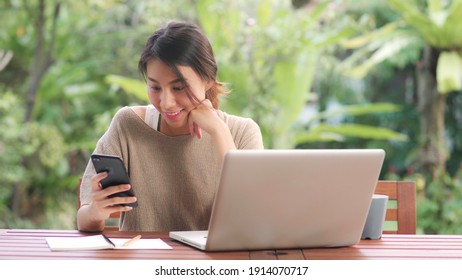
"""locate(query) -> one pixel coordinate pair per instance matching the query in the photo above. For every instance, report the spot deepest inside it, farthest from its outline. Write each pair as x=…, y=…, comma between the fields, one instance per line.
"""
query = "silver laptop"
x=280, y=199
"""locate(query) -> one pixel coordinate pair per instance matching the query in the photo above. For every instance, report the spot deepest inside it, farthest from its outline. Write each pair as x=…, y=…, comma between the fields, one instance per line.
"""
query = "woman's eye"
x=180, y=88
x=154, y=88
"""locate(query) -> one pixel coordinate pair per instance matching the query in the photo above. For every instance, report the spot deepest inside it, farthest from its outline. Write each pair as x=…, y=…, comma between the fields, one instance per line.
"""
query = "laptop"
x=282, y=199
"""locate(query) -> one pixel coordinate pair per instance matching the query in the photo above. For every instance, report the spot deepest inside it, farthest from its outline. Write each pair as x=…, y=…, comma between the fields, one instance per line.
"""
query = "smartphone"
x=117, y=175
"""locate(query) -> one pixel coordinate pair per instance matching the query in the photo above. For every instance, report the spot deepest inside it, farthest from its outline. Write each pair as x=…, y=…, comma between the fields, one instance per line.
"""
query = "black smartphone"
x=117, y=175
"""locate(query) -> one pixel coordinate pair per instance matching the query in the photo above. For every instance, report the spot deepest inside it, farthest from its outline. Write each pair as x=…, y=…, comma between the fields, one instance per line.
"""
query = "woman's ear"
x=209, y=85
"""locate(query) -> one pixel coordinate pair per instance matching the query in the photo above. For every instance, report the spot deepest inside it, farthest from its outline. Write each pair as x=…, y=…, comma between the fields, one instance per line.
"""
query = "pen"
x=132, y=240
x=108, y=240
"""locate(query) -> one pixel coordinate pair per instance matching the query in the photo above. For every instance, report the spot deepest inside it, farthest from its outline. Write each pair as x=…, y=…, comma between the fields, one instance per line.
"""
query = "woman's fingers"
x=194, y=129
x=104, y=205
x=96, y=179
x=197, y=131
x=201, y=118
x=191, y=125
x=118, y=201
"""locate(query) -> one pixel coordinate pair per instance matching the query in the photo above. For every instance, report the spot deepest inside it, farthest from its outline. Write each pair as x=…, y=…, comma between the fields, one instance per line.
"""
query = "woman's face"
x=168, y=94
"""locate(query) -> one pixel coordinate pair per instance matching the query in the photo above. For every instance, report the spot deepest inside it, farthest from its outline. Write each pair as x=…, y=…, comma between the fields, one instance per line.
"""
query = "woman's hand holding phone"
x=111, y=189
x=104, y=200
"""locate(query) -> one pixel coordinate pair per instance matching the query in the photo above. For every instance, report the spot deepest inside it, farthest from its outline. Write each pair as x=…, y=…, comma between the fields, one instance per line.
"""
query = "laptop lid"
x=275, y=199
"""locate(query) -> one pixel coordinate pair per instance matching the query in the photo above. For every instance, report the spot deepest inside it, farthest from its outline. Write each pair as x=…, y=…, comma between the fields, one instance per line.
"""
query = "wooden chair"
x=401, y=212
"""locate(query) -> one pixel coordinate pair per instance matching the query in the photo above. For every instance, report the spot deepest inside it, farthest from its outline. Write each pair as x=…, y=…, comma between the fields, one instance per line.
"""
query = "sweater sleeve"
x=245, y=131
x=250, y=136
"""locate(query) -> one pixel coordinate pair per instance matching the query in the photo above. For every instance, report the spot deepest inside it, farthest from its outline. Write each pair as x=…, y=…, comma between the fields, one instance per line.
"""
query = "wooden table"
x=31, y=244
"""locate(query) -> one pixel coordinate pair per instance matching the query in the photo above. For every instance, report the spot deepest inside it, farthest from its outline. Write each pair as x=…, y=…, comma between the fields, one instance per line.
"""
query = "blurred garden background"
x=314, y=74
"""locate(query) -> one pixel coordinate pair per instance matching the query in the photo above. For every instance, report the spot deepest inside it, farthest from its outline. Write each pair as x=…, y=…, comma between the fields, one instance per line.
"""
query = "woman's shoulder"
x=129, y=110
x=246, y=132
x=240, y=124
x=139, y=110
x=234, y=120
x=128, y=113
x=127, y=117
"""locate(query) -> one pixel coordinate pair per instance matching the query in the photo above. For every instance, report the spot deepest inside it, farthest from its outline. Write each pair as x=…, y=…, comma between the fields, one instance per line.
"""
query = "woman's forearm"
x=85, y=222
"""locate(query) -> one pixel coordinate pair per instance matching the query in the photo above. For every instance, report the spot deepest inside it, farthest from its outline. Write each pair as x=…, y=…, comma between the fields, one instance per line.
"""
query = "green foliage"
x=271, y=54
x=42, y=159
x=439, y=208
x=417, y=24
x=358, y=110
x=135, y=87
x=274, y=50
x=437, y=26
x=439, y=211
x=449, y=72
x=325, y=132
x=31, y=154
x=318, y=130
x=11, y=151
x=400, y=47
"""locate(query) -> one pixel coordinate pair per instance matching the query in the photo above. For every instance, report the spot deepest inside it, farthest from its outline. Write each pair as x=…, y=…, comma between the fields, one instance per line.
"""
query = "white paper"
x=97, y=242
x=148, y=243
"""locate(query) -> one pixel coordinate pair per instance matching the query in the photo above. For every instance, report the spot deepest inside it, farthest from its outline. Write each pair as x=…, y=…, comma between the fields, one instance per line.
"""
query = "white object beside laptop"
x=279, y=199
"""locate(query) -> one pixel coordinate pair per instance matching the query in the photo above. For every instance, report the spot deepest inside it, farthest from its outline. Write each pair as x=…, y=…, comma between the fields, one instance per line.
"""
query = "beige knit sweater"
x=174, y=178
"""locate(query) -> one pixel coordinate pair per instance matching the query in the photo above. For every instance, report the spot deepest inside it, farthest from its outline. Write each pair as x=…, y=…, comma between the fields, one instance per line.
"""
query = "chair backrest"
x=401, y=212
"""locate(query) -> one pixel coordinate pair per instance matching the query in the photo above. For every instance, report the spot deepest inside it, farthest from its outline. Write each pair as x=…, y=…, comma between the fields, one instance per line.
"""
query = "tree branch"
x=43, y=57
x=51, y=49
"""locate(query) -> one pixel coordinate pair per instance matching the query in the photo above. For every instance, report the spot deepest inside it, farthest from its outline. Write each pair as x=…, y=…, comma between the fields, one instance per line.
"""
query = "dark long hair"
x=184, y=44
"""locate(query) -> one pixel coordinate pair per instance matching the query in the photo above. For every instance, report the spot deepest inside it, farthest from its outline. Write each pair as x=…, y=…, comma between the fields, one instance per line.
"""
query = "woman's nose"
x=167, y=99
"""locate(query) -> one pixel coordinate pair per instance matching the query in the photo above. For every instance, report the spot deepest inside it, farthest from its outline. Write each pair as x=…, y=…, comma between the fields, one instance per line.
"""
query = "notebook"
x=100, y=242
x=281, y=199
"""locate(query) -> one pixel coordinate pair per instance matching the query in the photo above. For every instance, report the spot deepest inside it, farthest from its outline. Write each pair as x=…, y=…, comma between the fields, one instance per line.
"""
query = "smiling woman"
x=172, y=148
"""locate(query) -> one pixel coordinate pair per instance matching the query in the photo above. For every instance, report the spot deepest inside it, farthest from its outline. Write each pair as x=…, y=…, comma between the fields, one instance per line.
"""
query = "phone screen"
x=117, y=175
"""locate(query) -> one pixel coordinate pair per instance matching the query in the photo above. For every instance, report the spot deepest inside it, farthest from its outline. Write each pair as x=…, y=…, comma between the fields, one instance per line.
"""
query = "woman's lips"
x=172, y=115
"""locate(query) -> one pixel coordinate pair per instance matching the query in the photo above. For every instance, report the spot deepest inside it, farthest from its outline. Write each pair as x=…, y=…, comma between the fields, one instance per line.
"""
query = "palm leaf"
x=292, y=82
x=449, y=72
x=386, y=49
x=365, y=39
x=339, y=132
x=356, y=110
x=440, y=28
x=130, y=86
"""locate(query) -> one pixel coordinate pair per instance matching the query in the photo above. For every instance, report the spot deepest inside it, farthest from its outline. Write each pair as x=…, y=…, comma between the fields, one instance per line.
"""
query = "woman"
x=172, y=149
